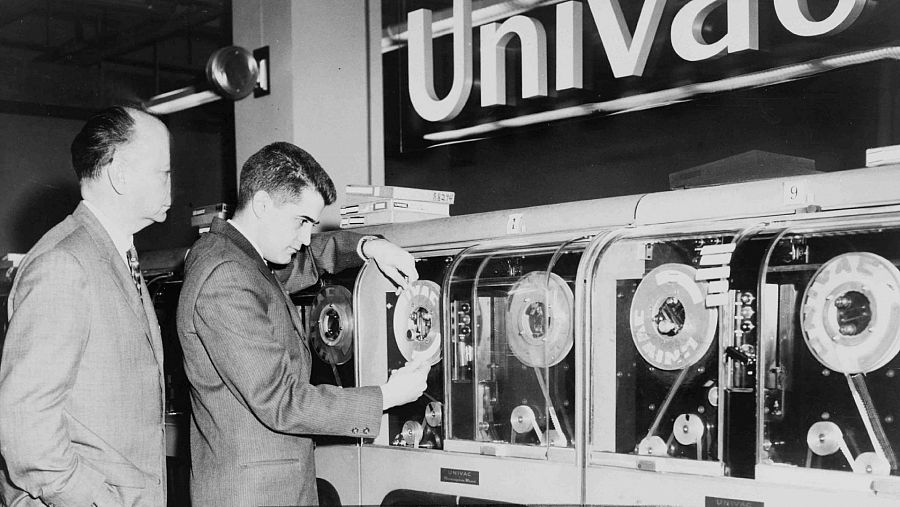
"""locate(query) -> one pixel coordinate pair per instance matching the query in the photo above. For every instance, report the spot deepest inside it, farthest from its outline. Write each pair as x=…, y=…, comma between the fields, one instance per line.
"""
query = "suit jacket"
x=81, y=377
x=249, y=365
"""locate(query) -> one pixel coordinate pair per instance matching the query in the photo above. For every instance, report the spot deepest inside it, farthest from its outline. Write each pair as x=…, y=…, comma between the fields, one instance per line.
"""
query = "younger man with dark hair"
x=245, y=354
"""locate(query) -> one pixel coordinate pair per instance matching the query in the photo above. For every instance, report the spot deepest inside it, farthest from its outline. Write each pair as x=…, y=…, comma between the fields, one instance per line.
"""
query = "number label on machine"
x=795, y=192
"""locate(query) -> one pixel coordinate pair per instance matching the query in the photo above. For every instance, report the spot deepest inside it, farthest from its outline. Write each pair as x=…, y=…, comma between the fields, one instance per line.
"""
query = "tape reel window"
x=660, y=305
x=512, y=358
x=834, y=369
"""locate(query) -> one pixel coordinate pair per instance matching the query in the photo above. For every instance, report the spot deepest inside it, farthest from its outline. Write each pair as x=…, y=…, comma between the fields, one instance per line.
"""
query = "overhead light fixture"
x=231, y=72
x=179, y=100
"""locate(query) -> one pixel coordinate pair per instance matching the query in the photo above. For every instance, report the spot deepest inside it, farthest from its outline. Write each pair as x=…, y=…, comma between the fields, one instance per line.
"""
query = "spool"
x=412, y=433
x=417, y=322
x=670, y=324
x=538, y=315
x=434, y=414
x=331, y=325
x=522, y=419
x=824, y=438
x=851, y=313
x=653, y=446
x=688, y=429
x=872, y=464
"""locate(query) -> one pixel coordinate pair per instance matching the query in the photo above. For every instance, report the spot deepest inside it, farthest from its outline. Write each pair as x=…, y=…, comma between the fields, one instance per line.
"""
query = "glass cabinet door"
x=672, y=337
x=511, y=369
x=832, y=389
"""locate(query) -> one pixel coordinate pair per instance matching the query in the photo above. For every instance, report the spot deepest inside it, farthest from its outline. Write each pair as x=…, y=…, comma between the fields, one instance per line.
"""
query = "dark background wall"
x=40, y=188
x=36, y=177
x=831, y=119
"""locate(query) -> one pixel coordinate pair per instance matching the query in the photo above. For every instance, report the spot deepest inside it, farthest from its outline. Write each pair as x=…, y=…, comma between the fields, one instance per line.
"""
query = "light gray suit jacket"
x=81, y=377
x=249, y=364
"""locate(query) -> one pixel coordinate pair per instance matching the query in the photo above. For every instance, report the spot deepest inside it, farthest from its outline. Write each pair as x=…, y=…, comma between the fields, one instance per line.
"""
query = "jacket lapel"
x=117, y=269
x=222, y=227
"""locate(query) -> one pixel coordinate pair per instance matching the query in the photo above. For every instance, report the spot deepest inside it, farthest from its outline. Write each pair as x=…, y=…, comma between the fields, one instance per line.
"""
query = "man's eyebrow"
x=309, y=219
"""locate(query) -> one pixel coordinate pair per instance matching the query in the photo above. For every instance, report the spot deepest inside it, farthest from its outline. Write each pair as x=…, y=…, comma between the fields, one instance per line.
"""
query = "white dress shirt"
x=122, y=240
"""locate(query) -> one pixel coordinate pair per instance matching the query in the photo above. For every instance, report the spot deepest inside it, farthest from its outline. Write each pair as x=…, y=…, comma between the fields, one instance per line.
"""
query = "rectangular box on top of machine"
x=748, y=166
x=359, y=193
x=386, y=216
x=882, y=155
x=203, y=217
x=436, y=208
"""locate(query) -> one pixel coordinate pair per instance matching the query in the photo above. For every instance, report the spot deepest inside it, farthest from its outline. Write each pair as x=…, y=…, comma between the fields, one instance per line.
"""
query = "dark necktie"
x=135, y=267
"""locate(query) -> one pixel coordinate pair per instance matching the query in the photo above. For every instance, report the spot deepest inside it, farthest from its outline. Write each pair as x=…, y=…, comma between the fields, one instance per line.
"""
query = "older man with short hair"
x=81, y=372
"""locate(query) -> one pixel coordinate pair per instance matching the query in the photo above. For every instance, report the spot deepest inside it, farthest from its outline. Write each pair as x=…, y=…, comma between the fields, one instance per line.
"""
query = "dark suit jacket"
x=81, y=377
x=249, y=366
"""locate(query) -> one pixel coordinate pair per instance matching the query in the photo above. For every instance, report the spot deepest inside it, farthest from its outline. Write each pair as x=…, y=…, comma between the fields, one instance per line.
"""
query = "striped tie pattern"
x=135, y=267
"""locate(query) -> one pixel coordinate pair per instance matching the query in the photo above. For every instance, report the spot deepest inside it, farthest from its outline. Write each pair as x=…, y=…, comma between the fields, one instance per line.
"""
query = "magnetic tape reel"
x=539, y=309
x=417, y=322
x=851, y=313
x=331, y=325
x=670, y=324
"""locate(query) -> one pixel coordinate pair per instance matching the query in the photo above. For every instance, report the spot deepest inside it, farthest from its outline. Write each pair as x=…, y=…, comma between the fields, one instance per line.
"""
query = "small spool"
x=688, y=429
x=434, y=414
x=412, y=433
x=653, y=446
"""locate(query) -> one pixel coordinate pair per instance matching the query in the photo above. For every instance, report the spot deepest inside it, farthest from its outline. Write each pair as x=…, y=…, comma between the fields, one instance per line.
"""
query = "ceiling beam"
x=165, y=67
x=125, y=41
x=118, y=6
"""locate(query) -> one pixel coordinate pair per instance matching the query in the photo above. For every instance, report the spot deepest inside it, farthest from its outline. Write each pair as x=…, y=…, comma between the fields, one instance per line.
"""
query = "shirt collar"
x=244, y=234
x=122, y=240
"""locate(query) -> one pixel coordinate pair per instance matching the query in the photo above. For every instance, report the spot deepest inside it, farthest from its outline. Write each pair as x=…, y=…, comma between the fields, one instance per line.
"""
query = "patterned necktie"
x=135, y=267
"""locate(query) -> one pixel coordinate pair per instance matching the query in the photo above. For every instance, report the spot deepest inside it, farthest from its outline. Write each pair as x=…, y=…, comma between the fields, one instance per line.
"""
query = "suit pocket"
x=120, y=474
x=271, y=462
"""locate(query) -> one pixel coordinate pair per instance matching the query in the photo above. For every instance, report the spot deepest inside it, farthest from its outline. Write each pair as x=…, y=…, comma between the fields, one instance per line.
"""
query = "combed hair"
x=284, y=171
x=96, y=143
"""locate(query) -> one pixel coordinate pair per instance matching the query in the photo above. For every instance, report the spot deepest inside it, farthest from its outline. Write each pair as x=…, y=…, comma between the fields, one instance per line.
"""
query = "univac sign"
x=626, y=49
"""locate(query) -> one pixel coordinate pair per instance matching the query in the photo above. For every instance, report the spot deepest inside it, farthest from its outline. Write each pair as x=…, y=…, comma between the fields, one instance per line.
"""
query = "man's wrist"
x=361, y=245
x=385, y=397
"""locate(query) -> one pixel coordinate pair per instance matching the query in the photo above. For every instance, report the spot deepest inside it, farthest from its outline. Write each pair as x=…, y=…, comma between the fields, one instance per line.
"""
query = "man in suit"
x=81, y=374
x=245, y=355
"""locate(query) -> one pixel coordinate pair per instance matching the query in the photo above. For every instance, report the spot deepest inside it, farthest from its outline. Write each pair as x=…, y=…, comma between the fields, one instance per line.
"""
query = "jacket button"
x=355, y=431
x=365, y=431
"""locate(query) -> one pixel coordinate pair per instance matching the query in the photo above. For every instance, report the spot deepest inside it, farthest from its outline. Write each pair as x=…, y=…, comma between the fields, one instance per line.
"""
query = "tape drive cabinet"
x=729, y=345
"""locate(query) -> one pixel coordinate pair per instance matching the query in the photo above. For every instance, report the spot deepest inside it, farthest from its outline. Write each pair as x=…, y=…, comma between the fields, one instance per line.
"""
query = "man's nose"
x=306, y=235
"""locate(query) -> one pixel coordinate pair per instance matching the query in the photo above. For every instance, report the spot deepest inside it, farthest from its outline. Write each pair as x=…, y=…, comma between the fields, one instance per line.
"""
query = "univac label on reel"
x=459, y=476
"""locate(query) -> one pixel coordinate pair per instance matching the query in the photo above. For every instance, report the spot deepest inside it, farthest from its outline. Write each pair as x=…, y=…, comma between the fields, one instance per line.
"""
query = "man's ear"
x=261, y=203
x=117, y=175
